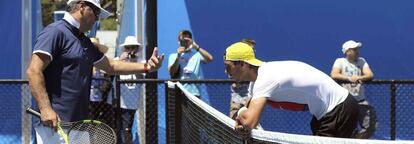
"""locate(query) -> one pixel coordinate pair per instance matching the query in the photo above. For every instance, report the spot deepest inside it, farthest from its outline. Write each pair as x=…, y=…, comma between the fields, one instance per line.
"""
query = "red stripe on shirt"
x=287, y=105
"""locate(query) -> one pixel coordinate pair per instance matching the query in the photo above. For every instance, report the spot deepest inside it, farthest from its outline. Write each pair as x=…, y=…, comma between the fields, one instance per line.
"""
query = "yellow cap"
x=242, y=52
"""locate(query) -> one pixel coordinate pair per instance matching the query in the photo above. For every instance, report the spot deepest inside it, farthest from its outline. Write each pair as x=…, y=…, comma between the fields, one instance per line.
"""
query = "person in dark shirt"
x=61, y=68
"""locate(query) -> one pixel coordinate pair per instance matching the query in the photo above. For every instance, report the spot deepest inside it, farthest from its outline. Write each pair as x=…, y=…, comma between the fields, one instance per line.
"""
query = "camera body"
x=185, y=43
x=185, y=37
x=132, y=55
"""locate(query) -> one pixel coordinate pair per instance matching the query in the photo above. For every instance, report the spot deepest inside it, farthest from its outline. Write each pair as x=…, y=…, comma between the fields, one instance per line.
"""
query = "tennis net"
x=190, y=120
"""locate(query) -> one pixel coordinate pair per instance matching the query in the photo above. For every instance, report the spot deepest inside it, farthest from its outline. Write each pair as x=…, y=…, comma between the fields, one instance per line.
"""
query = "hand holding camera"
x=195, y=46
x=131, y=55
x=186, y=42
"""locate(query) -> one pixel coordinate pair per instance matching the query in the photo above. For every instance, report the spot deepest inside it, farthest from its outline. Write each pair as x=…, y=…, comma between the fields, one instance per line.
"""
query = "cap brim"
x=124, y=44
x=254, y=62
x=359, y=45
x=104, y=13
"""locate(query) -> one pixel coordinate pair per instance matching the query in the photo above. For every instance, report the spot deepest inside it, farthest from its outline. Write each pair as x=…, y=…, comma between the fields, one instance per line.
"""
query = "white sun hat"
x=130, y=40
x=102, y=14
x=350, y=45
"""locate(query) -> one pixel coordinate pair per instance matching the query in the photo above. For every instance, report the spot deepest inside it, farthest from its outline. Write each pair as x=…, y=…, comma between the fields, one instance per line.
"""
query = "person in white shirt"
x=354, y=70
x=290, y=85
x=130, y=92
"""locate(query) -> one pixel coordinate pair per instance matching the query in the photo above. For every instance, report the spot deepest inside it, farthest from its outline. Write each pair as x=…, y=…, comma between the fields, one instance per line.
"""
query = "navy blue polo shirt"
x=68, y=76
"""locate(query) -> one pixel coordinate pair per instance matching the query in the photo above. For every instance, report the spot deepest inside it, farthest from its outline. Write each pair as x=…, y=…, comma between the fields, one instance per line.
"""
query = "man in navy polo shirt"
x=61, y=68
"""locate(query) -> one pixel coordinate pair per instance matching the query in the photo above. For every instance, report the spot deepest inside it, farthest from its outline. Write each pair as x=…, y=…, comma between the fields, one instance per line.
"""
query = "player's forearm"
x=38, y=89
x=247, y=120
x=122, y=67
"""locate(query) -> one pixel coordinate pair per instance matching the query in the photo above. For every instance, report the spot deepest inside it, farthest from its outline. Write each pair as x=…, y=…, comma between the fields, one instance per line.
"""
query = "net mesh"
x=190, y=120
x=91, y=132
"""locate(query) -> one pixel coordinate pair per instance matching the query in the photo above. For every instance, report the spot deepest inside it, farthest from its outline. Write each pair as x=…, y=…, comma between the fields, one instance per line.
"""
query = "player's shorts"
x=340, y=122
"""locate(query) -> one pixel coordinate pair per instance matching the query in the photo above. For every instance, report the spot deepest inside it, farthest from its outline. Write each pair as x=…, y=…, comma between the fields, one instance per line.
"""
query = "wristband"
x=197, y=49
x=145, y=68
x=240, y=110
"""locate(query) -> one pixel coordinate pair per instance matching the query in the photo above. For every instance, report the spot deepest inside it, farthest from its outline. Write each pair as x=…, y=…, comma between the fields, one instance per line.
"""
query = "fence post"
x=151, y=93
x=393, y=107
x=117, y=105
x=168, y=114
x=173, y=114
x=151, y=110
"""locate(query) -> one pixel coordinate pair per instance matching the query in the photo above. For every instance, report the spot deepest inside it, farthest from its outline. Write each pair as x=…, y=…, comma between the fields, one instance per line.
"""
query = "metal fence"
x=393, y=101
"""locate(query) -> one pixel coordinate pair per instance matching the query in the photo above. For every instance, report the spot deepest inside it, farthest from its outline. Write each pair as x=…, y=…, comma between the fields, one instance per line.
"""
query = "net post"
x=178, y=103
x=393, y=107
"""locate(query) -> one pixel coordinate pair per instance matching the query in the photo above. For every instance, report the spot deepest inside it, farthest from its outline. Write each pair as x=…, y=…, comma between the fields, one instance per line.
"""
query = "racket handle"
x=33, y=112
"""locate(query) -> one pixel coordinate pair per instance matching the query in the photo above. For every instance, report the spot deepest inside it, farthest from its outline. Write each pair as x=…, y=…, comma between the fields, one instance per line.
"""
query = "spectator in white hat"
x=130, y=92
x=131, y=47
x=354, y=70
x=60, y=70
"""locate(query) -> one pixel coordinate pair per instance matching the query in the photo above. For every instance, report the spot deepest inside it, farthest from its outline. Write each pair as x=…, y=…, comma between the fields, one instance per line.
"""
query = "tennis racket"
x=84, y=131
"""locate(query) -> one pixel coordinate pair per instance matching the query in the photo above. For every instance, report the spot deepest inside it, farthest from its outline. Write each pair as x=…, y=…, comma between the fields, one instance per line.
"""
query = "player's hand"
x=154, y=63
x=243, y=131
x=49, y=118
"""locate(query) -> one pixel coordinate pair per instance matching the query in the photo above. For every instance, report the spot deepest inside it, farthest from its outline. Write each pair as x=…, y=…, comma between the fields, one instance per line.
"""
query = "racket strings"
x=93, y=133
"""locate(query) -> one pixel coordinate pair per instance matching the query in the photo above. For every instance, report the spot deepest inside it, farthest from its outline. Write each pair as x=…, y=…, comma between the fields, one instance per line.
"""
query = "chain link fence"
x=393, y=102
x=15, y=124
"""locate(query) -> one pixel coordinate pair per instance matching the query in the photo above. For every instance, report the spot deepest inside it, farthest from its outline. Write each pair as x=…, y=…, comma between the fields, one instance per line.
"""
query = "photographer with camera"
x=186, y=63
x=131, y=92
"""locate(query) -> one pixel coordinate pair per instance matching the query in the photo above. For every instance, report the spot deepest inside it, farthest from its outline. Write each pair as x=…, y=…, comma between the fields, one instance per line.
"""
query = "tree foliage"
x=49, y=6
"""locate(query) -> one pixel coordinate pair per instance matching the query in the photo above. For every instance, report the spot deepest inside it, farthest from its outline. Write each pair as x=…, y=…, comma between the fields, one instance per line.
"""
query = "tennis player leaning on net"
x=290, y=85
